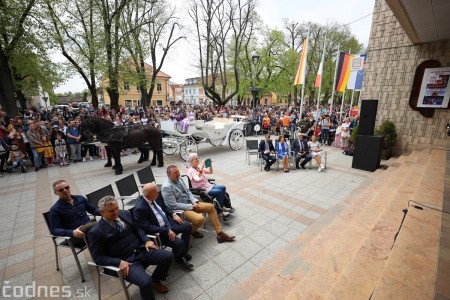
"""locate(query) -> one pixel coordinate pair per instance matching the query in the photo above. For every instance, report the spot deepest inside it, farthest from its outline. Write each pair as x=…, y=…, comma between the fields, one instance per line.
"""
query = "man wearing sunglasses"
x=68, y=215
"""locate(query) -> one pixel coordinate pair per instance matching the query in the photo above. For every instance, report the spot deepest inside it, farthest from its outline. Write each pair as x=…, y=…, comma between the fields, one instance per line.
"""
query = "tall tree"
x=13, y=18
x=75, y=27
x=153, y=29
x=221, y=29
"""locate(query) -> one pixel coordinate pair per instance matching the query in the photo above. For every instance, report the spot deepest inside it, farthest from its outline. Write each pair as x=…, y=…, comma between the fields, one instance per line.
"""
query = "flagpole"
x=351, y=101
x=320, y=80
x=334, y=80
x=342, y=104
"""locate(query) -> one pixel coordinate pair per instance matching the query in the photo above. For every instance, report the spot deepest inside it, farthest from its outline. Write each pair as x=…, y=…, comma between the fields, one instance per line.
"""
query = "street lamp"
x=254, y=89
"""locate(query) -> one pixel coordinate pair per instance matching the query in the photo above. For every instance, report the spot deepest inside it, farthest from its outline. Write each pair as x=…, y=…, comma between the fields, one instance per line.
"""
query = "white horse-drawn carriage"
x=217, y=132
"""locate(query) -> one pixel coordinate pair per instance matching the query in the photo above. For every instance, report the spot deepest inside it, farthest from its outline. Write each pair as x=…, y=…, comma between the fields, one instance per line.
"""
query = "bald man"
x=152, y=216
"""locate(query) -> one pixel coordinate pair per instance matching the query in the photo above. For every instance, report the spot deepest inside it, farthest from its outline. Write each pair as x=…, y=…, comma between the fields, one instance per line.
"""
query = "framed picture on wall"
x=435, y=90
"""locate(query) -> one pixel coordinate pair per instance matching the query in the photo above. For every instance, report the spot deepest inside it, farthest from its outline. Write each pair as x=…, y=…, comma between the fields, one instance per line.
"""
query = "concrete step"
x=410, y=271
x=330, y=232
x=361, y=274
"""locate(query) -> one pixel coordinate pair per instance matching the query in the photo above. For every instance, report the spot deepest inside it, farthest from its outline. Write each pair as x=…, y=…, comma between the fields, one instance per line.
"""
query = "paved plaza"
x=272, y=209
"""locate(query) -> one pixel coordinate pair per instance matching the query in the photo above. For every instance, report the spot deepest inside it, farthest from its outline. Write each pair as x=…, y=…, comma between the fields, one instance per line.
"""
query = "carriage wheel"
x=236, y=139
x=188, y=146
x=169, y=146
x=216, y=142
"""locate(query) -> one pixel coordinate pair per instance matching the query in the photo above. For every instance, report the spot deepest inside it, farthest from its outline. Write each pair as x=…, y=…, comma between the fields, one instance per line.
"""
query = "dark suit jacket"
x=295, y=147
x=262, y=146
x=145, y=217
x=109, y=246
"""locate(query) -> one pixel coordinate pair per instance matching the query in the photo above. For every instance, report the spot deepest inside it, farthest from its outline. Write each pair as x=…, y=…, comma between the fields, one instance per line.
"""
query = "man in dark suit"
x=153, y=216
x=301, y=151
x=267, y=151
x=115, y=241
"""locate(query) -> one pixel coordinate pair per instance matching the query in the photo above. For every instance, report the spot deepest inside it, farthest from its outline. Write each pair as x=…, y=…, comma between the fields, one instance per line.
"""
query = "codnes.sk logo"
x=51, y=291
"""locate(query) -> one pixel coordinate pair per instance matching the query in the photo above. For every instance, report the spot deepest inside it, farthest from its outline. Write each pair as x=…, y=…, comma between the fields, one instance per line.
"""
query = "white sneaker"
x=226, y=209
x=84, y=159
x=319, y=169
x=90, y=158
x=322, y=166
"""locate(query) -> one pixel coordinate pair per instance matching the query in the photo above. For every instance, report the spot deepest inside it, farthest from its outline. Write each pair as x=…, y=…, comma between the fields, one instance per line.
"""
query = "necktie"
x=118, y=226
x=301, y=146
x=163, y=215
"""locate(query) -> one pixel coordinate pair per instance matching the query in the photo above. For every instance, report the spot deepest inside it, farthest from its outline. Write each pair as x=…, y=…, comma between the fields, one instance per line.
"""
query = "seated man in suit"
x=300, y=150
x=178, y=197
x=68, y=215
x=116, y=241
x=267, y=151
x=153, y=216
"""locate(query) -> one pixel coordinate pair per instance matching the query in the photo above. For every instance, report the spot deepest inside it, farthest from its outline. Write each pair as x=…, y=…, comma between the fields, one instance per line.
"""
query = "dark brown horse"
x=122, y=137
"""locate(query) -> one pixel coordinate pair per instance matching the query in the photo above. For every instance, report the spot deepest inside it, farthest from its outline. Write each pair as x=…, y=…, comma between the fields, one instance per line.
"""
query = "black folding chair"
x=128, y=190
x=145, y=175
x=109, y=271
x=251, y=149
x=94, y=197
x=64, y=242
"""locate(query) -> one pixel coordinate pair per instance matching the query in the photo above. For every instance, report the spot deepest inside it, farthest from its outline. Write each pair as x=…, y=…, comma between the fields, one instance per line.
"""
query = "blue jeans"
x=218, y=191
x=37, y=158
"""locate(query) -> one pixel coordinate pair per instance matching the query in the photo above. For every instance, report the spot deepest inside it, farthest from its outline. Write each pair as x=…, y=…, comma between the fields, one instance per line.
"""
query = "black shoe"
x=36, y=169
x=23, y=169
x=297, y=167
x=197, y=235
x=226, y=217
x=184, y=262
x=232, y=210
x=44, y=166
x=303, y=167
x=188, y=257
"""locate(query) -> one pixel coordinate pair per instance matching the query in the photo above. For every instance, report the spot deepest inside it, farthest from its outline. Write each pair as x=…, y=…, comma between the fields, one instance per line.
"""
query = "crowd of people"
x=43, y=138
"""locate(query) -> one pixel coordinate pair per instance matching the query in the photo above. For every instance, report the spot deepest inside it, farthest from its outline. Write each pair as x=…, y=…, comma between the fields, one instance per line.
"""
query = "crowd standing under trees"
x=39, y=131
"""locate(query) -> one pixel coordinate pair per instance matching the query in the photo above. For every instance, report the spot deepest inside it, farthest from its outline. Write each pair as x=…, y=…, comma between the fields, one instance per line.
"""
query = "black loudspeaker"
x=367, y=152
x=367, y=117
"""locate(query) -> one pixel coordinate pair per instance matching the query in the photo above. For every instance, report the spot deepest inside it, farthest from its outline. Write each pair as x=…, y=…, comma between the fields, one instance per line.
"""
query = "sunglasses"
x=64, y=188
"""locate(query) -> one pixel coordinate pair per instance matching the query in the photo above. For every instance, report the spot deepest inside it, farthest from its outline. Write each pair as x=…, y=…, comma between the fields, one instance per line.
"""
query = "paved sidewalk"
x=272, y=208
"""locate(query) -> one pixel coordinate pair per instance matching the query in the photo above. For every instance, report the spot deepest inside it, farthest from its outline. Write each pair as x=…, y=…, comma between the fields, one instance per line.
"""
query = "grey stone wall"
x=392, y=61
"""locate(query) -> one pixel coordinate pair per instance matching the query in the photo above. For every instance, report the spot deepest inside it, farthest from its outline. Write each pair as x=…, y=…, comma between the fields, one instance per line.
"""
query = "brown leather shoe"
x=159, y=287
x=223, y=237
x=197, y=235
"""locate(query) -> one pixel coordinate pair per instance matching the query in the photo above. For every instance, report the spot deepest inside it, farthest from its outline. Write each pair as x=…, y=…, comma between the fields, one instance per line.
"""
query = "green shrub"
x=389, y=132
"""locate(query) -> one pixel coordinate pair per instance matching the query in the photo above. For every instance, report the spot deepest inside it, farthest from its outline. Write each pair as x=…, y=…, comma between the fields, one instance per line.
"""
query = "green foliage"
x=354, y=134
x=389, y=132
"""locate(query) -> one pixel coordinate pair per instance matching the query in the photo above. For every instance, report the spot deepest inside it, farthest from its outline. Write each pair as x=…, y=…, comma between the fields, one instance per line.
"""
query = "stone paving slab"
x=272, y=209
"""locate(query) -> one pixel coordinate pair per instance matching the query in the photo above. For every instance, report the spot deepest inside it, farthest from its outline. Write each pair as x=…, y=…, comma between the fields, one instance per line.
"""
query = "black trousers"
x=180, y=246
x=138, y=276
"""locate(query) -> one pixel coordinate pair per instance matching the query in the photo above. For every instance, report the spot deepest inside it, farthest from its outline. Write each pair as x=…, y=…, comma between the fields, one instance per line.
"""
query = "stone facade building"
x=395, y=50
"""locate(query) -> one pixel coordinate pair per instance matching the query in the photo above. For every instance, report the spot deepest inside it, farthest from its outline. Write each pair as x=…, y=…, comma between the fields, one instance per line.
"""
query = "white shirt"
x=158, y=216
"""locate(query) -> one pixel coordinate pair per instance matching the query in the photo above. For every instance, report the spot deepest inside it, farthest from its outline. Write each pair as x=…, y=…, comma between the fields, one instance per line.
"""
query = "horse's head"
x=87, y=128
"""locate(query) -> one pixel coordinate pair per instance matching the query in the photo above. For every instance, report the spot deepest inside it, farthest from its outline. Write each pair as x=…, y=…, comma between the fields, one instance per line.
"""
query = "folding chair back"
x=94, y=197
x=251, y=149
x=127, y=188
x=145, y=175
x=66, y=242
x=110, y=271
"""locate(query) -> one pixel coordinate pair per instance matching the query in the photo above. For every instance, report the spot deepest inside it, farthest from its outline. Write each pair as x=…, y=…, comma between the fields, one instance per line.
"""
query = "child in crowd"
x=48, y=150
x=17, y=158
x=60, y=149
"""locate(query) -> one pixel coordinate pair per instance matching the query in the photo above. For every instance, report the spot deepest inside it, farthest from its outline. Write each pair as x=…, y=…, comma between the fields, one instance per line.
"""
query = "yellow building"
x=130, y=95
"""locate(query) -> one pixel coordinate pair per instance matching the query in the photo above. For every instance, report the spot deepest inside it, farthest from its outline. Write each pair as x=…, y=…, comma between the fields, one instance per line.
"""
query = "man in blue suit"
x=301, y=151
x=115, y=241
x=267, y=151
x=153, y=216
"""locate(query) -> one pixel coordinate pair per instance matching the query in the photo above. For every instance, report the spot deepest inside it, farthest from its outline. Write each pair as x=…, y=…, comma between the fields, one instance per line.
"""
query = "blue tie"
x=163, y=215
x=118, y=226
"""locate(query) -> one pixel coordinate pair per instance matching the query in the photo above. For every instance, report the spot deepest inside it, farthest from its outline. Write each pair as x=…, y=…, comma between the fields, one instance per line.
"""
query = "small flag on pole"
x=300, y=77
x=319, y=76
